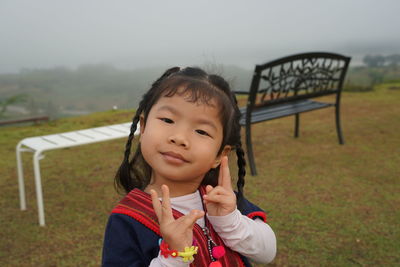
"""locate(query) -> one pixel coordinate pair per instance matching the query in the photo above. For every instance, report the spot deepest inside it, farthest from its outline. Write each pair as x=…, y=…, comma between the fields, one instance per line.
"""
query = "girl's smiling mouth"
x=173, y=157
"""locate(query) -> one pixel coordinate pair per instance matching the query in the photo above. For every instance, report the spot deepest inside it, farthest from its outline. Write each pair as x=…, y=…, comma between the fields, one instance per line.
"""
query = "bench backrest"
x=297, y=77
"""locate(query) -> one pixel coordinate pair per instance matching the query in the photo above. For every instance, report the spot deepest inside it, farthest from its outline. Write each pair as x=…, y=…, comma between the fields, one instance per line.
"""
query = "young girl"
x=189, y=122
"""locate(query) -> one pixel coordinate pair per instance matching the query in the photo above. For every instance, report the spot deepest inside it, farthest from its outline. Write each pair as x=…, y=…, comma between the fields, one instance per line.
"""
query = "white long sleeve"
x=251, y=238
x=161, y=261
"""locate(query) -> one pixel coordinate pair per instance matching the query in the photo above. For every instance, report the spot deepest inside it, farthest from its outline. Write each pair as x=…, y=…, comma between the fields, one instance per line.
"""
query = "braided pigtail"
x=241, y=159
x=123, y=177
x=232, y=135
x=241, y=162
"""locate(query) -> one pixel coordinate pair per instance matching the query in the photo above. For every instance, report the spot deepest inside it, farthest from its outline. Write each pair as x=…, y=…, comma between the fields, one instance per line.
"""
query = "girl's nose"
x=178, y=140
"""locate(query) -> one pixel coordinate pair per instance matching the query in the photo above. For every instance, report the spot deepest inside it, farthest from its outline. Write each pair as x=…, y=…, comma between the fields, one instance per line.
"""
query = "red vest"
x=137, y=204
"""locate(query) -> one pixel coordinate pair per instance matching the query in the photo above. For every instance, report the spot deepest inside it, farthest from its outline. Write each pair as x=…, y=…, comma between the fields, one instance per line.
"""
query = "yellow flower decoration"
x=187, y=255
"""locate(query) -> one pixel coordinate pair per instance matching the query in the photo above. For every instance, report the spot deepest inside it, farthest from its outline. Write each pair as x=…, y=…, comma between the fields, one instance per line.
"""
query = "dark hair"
x=196, y=86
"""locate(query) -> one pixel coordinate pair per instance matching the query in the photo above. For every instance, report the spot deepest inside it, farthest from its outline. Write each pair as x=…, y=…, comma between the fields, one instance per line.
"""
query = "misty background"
x=74, y=57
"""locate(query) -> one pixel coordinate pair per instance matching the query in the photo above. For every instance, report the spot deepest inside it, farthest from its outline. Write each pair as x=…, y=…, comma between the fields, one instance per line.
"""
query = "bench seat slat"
x=274, y=112
x=37, y=143
x=80, y=137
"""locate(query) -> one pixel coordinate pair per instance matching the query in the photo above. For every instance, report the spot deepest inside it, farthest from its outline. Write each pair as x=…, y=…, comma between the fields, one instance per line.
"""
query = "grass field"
x=329, y=205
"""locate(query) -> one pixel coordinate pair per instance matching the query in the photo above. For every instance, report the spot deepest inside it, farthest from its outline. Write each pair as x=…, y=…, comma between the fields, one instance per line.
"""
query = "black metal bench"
x=288, y=86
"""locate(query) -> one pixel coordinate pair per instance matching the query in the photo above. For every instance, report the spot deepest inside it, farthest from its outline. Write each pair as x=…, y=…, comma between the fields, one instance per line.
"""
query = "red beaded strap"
x=165, y=251
x=187, y=254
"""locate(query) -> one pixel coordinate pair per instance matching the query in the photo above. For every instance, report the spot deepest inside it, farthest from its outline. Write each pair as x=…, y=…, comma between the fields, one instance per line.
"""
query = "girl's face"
x=180, y=139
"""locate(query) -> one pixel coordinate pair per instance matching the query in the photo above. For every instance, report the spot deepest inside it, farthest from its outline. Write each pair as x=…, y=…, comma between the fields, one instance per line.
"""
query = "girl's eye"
x=201, y=132
x=166, y=120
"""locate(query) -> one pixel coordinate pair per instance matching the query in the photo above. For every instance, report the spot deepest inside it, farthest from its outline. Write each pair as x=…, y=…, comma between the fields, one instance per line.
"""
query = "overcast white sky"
x=129, y=34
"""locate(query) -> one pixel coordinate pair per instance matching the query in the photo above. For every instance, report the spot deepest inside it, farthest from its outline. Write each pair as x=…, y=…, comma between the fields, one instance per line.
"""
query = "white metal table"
x=39, y=144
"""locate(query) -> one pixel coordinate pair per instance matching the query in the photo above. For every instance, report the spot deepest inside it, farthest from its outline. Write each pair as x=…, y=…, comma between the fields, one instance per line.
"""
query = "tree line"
x=374, y=61
x=97, y=87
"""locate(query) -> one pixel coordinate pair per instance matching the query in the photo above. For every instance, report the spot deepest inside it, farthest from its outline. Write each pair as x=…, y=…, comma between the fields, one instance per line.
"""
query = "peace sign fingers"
x=178, y=233
x=163, y=210
x=224, y=178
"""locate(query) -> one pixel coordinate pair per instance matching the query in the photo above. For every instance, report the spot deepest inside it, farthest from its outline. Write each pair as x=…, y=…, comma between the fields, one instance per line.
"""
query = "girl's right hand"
x=178, y=234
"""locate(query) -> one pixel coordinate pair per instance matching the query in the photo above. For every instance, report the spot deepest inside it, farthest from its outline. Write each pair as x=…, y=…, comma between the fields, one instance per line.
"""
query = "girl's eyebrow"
x=168, y=108
x=200, y=120
x=207, y=122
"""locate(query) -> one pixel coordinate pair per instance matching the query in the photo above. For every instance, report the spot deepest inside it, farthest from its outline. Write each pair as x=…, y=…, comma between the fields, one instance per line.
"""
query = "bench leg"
x=250, y=154
x=338, y=127
x=296, y=125
x=38, y=184
x=21, y=183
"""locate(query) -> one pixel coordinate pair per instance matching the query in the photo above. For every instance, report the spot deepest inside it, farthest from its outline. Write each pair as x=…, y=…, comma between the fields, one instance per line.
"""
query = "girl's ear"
x=224, y=152
x=142, y=126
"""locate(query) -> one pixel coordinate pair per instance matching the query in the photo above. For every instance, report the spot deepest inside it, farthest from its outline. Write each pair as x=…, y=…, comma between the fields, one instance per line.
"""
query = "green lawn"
x=329, y=205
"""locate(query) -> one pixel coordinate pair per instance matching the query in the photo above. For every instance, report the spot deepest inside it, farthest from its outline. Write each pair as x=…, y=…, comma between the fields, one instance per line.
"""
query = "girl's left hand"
x=221, y=200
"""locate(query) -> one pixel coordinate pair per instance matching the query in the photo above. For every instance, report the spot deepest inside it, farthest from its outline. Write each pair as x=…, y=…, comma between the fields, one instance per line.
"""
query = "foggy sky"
x=130, y=34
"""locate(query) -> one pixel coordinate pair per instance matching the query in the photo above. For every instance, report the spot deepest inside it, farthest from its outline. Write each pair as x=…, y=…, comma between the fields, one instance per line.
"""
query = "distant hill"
x=61, y=92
